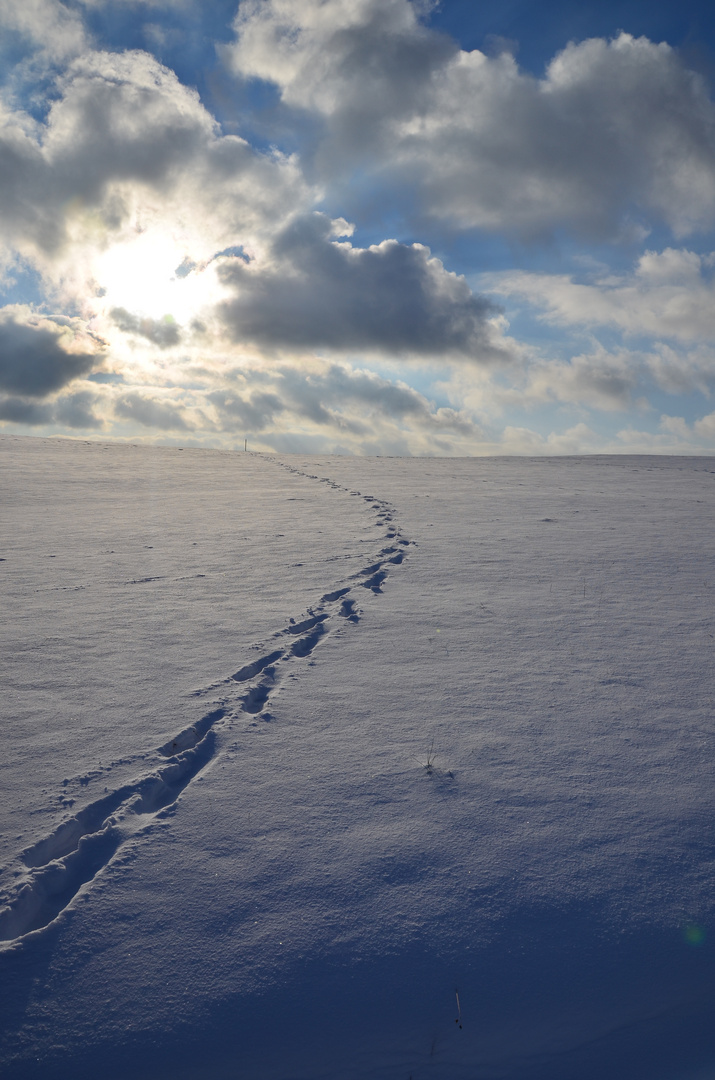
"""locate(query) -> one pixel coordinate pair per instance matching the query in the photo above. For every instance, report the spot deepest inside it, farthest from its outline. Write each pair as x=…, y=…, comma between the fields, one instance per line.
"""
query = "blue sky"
x=359, y=226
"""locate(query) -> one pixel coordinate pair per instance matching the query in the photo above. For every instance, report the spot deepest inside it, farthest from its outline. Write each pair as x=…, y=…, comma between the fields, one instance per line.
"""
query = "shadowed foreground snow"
x=355, y=768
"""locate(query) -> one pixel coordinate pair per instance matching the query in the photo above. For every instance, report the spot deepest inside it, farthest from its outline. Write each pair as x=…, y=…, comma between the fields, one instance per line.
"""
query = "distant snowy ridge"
x=70, y=859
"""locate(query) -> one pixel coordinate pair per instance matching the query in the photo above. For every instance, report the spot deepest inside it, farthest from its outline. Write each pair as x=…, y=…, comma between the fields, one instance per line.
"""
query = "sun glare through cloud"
x=153, y=277
x=141, y=276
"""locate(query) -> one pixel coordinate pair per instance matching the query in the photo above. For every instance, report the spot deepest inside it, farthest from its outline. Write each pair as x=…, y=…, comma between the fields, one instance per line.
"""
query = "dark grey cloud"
x=326, y=396
x=76, y=410
x=340, y=384
x=162, y=332
x=106, y=377
x=17, y=411
x=336, y=398
x=33, y=361
x=72, y=410
x=316, y=293
x=255, y=412
x=149, y=412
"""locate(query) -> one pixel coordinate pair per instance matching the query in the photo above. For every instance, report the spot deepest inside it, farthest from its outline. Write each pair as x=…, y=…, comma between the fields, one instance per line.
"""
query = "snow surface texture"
x=362, y=768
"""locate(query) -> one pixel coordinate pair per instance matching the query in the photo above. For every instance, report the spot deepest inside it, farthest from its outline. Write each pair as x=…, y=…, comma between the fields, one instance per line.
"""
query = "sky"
x=359, y=226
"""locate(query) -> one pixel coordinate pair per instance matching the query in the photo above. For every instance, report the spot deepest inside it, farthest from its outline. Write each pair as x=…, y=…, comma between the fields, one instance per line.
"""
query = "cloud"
x=122, y=199
x=126, y=148
x=39, y=356
x=705, y=428
x=682, y=372
x=303, y=403
x=73, y=411
x=600, y=380
x=675, y=438
x=607, y=380
x=45, y=25
x=314, y=292
x=255, y=412
x=336, y=57
x=105, y=377
x=342, y=388
x=670, y=294
x=603, y=380
x=162, y=332
x=17, y=411
x=579, y=439
x=152, y=413
x=77, y=410
x=336, y=400
x=666, y=303
x=614, y=128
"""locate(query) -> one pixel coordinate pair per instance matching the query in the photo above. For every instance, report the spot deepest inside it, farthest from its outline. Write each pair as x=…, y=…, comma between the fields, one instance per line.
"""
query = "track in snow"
x=58, y=866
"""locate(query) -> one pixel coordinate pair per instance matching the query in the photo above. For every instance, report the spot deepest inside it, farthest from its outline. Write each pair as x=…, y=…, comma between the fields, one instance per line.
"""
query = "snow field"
x=486, y=773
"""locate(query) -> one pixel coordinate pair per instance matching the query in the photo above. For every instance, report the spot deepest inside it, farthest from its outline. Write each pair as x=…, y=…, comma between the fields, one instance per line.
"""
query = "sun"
x=152, y=276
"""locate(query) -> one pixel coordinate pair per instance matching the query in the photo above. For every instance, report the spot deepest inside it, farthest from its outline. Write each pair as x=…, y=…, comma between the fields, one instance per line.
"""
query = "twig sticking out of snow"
x=428, y=765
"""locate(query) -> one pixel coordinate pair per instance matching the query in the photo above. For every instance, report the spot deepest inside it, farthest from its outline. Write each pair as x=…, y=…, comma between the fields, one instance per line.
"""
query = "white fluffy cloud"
x=370, y=57
x=45, y=25
x=614, y=128
x=669, y=294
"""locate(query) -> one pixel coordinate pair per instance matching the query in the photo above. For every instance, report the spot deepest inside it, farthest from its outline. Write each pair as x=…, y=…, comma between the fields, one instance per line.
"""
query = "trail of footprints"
x=57, y=866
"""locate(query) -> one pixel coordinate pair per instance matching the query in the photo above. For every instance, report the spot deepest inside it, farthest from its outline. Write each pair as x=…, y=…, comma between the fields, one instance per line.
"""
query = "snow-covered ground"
x=355, y=768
